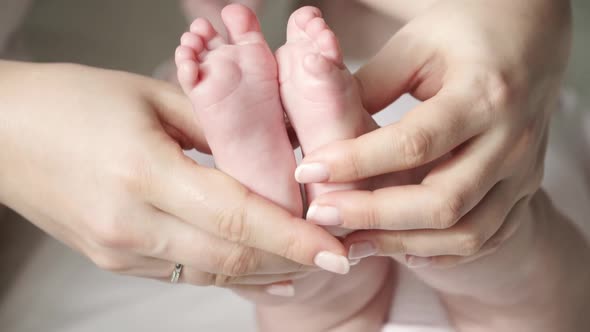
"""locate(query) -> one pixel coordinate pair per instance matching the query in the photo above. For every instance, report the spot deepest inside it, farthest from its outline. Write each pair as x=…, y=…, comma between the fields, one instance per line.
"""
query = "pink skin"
x=319, y=94
x=210, y=9
x=234, y=90
x=324, y=105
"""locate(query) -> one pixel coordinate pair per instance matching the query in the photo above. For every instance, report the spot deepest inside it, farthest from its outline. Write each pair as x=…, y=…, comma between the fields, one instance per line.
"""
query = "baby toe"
x=299, y=20
x=329, y=46
x=315, y=27
x=242, y=24
x=204, y=29
x=192, y=41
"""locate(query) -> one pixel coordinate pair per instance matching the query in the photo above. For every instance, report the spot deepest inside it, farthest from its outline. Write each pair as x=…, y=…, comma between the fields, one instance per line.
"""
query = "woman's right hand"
x=94, y=158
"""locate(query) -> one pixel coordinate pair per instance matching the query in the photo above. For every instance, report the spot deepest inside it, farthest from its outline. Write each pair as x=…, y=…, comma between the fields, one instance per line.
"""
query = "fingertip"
x=312, y=173
x=332, y=262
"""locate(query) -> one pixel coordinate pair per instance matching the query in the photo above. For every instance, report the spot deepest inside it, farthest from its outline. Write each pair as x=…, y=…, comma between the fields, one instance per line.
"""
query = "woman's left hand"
x=489, y=73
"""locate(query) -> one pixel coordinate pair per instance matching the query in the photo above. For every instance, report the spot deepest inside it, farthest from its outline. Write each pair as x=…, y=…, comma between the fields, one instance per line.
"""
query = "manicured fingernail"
x=332, y=262
x=284, y=290
x=416, y=262
x=323, y=215
x=361, y=250
x=354, y=262
x=311, y=173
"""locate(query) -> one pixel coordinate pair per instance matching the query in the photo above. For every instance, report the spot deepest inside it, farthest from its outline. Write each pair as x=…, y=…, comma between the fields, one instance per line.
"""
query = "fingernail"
x=284, y=290
x=310, y=173
x=354, y=262
x=324, y=215
x=332, y=262
x=416, y=262
x=361, y=250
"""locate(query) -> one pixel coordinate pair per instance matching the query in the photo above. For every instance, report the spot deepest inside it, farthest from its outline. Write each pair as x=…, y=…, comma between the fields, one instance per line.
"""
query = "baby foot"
x=233, y=87
x=319, y=94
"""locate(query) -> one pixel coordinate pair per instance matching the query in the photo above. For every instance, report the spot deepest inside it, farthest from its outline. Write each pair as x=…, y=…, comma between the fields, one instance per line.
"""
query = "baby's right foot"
x=233, y=87
x=324, y=105
x=319, y=94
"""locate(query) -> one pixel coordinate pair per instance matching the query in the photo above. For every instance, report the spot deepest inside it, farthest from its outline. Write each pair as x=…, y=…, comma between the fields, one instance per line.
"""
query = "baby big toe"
x=242, y=24
x=299, y=20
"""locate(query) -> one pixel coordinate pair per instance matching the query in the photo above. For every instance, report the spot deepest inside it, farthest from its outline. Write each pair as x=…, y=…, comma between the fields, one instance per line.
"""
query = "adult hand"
x=94, y=158
x=489, y=74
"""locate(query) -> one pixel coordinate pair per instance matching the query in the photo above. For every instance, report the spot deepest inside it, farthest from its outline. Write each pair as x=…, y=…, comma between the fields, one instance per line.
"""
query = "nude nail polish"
x=361, y=250
x=312, y=173
x=323, y=215
x=284, y=290
x=354, y=262
x=332, y=262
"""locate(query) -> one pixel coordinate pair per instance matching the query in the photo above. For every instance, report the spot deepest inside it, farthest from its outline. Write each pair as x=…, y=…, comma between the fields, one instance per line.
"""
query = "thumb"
x=176, y=114
x=396, y=69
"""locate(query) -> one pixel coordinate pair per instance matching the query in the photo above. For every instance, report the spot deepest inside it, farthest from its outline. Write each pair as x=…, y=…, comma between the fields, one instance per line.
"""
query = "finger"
x=126, y=263
x=447, y=193
x=148, y=267
x=175, y=111
x=173, y=240
x=259, y=294
x=493, y=245
x=392, y=72
x=466, y=238
x=429, y=131
x=264, y=279
x=221, y=206
x=190, y=275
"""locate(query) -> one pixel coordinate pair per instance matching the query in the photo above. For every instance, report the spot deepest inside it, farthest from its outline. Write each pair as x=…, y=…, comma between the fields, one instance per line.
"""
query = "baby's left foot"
x=233, y=87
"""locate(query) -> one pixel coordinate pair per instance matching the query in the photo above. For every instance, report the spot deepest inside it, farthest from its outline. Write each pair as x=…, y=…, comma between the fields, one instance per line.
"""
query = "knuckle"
x=449, y=212
x=239, y=262
x=496, y=93
x=392, y=244
x=372, y=213
x=415, y=146
x=154, y=245
x=471, y=243
x=499, y=89
x=110, y=233
x=494, y=243
x=356, y=164
x=293, y=247
x=133, y=174
x=231, y=224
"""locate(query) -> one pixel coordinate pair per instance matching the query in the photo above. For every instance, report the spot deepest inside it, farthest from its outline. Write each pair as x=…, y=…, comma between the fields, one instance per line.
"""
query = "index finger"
x=427, y=132
x=219, y=205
